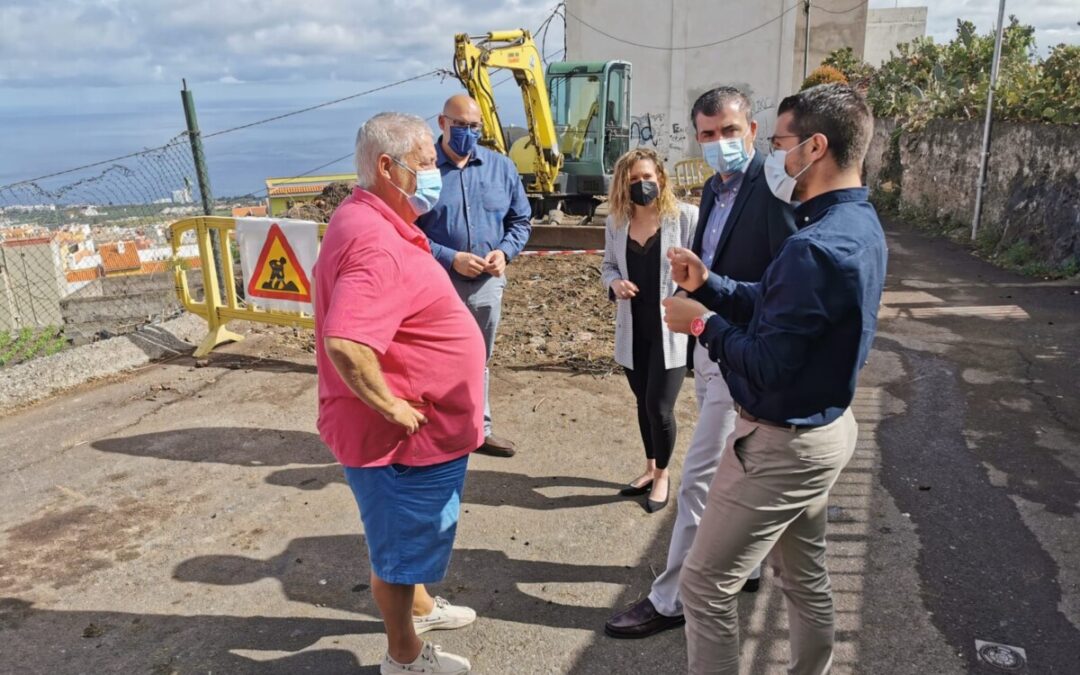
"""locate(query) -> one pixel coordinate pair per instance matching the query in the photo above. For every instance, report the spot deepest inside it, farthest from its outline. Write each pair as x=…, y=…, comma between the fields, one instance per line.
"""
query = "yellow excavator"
x=577, y=114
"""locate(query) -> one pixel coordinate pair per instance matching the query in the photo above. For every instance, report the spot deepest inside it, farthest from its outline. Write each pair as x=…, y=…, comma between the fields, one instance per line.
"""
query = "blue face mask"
x=428, y=187
x=463, y=140
x=727, y=155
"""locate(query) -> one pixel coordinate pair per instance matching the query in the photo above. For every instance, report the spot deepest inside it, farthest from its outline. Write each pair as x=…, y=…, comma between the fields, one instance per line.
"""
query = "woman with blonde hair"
x=645, y=221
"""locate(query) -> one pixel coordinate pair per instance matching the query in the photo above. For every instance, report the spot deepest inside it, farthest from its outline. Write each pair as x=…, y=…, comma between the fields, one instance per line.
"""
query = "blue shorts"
x=410, y=516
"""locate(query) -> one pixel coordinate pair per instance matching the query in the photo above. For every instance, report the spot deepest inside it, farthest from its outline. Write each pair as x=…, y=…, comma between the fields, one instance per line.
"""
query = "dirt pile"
x=322, y=207
x=555, y=316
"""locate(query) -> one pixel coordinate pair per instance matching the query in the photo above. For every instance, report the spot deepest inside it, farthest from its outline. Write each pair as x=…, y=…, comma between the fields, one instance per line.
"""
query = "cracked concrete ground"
x=188, y=520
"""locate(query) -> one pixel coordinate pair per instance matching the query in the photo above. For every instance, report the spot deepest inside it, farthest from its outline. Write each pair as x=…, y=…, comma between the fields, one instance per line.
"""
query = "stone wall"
x=117, y=305
x=1033, y=181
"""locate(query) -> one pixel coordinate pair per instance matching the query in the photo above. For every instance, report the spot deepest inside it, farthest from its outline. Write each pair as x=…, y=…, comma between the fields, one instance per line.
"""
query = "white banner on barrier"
x=278, y=258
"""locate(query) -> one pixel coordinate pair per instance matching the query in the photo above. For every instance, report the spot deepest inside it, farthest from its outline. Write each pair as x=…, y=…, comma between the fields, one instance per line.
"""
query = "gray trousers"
x=483, y=297
x=716, y=421
x=769, y=498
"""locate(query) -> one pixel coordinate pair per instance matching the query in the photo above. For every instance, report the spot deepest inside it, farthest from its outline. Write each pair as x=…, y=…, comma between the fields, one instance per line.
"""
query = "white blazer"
x=674, y=231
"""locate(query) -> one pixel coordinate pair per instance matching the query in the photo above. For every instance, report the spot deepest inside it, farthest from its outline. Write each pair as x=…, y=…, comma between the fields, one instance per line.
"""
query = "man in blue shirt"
x=480, y=223
x=790, y=347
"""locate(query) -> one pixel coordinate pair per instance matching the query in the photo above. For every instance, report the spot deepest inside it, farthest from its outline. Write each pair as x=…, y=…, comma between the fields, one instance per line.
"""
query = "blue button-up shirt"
x=482, y=207
x=811, y=318
x=726, y=191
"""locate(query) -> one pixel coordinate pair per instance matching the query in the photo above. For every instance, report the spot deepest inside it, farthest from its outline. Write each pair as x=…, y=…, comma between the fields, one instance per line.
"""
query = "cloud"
x=122, y=42
x=133, y=42
x=1054, y=20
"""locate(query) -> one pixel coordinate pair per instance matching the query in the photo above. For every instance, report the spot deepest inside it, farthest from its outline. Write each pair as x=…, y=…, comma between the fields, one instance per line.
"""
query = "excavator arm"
x=512, y=50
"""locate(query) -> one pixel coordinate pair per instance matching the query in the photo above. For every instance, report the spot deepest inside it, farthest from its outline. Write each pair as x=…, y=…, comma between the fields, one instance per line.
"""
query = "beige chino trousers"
x=770, y=494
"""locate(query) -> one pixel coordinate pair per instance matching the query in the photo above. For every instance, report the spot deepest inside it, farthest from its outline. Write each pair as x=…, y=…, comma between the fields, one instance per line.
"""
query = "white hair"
x=388, y=133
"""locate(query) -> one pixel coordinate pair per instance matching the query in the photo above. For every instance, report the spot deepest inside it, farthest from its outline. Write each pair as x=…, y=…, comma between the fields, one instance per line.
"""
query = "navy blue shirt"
x=809, y=321
x=482, y=207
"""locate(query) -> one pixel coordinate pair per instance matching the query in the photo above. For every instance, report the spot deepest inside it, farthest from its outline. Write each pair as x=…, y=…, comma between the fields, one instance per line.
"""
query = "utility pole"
x=202, y=176
x=806, y=42
x=985, y=156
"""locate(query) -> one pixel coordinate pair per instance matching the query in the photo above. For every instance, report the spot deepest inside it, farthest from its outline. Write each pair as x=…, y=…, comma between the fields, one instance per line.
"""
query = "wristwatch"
x=697, y=326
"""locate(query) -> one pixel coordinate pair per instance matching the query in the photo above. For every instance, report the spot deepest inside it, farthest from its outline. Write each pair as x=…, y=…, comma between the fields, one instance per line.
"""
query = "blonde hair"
x=619, y=202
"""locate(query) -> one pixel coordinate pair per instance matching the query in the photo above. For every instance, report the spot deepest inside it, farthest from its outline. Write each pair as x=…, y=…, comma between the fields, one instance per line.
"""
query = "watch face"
x=697, y=327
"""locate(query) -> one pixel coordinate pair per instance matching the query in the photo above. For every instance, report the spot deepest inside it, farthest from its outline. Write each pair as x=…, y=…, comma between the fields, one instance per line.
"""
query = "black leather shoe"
x=752, y=585
x=653, y=506
x=640, y=620
x=632, y=490
x=497, y=447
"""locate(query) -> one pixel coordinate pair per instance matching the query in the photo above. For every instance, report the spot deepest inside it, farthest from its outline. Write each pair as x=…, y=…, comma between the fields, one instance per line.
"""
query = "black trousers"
x=656, y=389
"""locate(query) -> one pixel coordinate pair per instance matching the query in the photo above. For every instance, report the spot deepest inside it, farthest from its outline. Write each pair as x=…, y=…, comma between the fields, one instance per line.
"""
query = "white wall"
x=666, y=82
x=887, y=28
x=833, y=24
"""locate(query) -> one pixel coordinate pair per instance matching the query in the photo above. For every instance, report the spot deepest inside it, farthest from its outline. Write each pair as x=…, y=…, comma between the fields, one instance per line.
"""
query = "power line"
x=323, y=166
x=543, y=27
x=182, y=137
x=840, y=11
x=323, y=105
x=687, y=47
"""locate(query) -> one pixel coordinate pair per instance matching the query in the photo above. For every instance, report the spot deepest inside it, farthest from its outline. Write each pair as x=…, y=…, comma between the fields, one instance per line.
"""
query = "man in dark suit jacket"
x=740, y=228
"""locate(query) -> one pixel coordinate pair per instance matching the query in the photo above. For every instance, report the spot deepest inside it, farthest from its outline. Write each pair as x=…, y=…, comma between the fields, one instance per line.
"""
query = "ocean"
x=43, y=131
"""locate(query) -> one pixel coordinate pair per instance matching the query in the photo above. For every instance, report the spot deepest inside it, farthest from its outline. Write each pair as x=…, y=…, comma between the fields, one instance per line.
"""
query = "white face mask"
x=776, y=175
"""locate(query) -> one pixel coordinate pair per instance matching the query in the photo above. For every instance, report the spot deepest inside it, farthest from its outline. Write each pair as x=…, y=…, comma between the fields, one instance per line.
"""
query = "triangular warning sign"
x=278, y=274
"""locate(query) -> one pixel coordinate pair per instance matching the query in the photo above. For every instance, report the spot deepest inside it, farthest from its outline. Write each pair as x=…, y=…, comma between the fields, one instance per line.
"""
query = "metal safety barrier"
x=690, y=174
x=218, y=311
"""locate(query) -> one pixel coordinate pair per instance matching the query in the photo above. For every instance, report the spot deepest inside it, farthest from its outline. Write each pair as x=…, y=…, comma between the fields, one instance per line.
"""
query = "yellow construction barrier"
x=218, y=311
x=690, y=174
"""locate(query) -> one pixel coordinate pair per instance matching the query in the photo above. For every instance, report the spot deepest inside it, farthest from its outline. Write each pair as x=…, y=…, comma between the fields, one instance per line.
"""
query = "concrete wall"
x=666, y=82
x=117, y=305
x=31, y=283
x=833, y=24
x=889, y=27
x=1033, y=181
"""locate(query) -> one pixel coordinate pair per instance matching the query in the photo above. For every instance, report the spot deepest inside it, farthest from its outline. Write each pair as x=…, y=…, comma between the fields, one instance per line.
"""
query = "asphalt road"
x=188, y=520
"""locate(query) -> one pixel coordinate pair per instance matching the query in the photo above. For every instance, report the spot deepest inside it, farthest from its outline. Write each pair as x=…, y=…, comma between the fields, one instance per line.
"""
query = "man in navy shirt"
x=480, y=223
x=790, y=347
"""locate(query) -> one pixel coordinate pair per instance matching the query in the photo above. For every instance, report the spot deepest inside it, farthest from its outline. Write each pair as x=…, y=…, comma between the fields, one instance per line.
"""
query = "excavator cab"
x=590, y=106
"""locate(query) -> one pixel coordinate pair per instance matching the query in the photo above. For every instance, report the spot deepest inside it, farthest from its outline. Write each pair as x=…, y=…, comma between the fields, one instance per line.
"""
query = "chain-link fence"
x=85, y=253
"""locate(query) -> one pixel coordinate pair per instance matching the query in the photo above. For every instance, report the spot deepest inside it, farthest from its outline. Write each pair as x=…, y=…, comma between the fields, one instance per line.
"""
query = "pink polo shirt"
x=377, y=283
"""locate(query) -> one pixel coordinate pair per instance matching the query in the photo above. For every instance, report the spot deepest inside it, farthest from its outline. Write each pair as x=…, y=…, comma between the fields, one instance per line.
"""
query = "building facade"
x=681, y=48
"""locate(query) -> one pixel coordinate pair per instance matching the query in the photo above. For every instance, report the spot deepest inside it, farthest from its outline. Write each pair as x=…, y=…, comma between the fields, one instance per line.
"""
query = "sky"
x=85, y=80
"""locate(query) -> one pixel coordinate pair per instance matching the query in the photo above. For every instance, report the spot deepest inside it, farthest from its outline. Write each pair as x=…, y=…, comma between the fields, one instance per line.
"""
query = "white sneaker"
x=432, y=660
x=444, y=616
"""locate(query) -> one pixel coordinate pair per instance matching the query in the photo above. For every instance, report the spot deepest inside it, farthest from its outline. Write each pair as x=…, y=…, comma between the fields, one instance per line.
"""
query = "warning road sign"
x=278, y=256
x=278, y=273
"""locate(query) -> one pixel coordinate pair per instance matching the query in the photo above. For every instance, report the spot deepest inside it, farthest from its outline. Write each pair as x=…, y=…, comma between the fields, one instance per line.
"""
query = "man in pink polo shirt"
x=401, y=384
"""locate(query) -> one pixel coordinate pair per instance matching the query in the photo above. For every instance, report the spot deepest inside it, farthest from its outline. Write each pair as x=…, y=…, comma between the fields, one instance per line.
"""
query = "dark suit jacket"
x=756, y=227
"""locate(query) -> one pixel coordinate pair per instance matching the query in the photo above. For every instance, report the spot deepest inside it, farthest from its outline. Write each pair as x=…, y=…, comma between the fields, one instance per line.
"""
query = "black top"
x=643, y=266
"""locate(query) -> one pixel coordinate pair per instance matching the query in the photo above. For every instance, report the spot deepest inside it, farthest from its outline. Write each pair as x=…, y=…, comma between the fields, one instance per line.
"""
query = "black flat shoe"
x=654, y=506
x=632, y=490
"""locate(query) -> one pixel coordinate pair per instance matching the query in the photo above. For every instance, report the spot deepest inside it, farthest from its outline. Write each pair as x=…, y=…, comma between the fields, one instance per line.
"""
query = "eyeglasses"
x=772, y=139
x=471, y=126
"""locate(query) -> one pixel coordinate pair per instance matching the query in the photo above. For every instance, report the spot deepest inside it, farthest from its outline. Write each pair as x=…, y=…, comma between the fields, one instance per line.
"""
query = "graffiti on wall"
x=673, y=141
x=763, y=110
x=651, y=131
x=642, y=132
